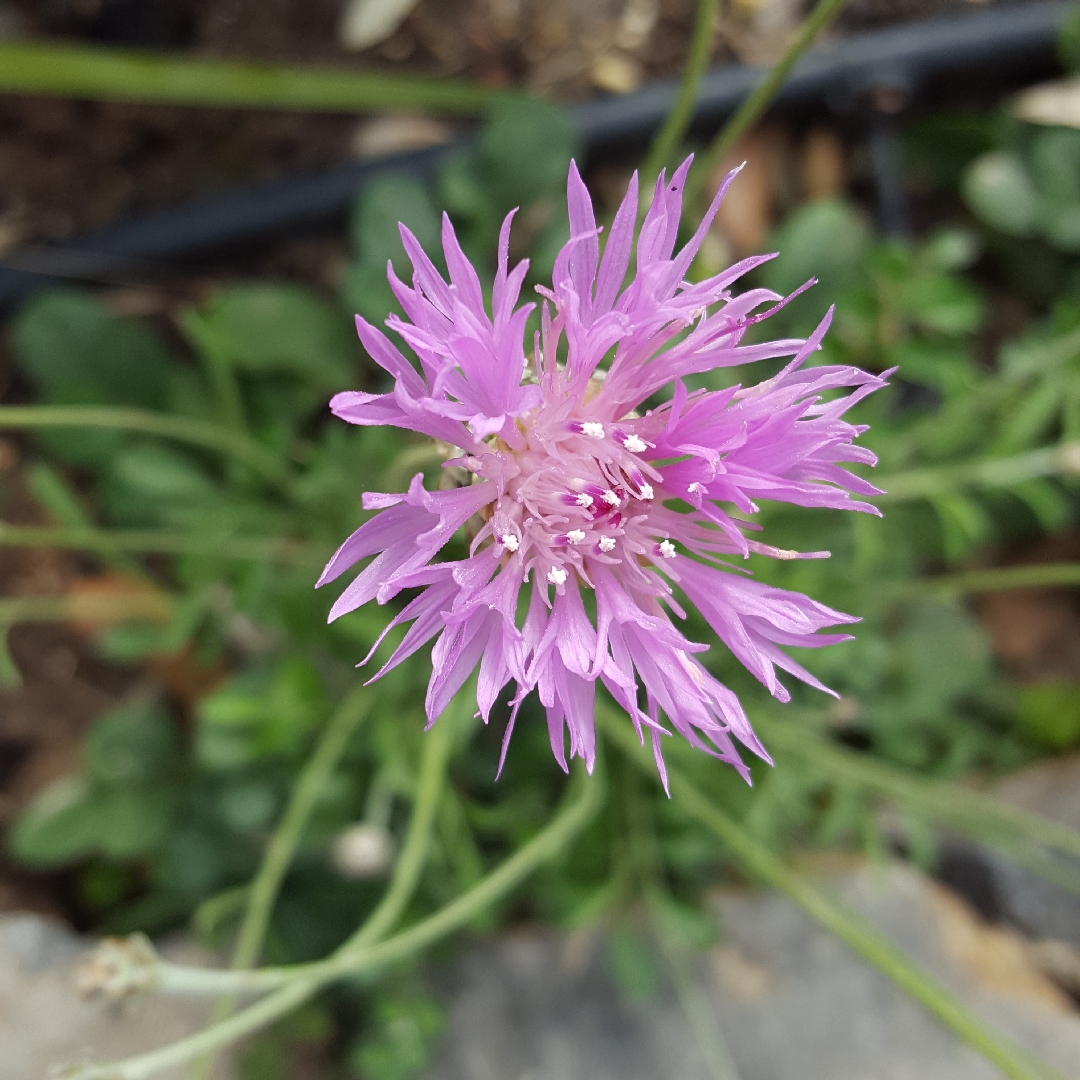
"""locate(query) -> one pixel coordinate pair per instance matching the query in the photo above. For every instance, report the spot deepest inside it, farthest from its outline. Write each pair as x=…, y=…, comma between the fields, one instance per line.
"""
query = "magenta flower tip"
x=572, y=483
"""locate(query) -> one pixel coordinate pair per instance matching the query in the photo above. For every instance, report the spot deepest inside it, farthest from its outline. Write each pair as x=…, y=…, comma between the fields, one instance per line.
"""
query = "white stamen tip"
x=556, y=575
x=509, y=541
x=667, y=549
x=695, y=487
x=593, y=429
x=646, y=491
x=575, y=536
x=611, y=498
x=634, y=444
x=585, y=499
x=606, y=543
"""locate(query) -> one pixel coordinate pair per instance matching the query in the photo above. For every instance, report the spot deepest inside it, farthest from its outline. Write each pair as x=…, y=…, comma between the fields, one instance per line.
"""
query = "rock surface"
x=790, y=1001
x=45, y=1025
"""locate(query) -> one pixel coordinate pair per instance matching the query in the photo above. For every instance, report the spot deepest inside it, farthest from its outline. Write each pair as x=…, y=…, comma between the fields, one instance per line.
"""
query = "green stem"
x=1037, y=576
x=130, y=75
x=146, y=604
x=222, y=376
x=183, y=429
x=298, y=984
x=692, y=1000
x=80, y=538
x=988, y=472
x=858, y=934
x=697, y=61
x=52, y=491
x=1011, y=830
x=750, y=111
x=437, y=746
x=263, y=893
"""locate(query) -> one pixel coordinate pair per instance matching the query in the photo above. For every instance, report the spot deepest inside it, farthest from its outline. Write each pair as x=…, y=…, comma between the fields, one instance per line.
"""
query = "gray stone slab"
x=45, y=1025
x=790, y=1001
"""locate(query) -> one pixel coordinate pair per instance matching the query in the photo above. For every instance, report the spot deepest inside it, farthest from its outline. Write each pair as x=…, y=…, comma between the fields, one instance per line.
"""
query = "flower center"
x=573, y=493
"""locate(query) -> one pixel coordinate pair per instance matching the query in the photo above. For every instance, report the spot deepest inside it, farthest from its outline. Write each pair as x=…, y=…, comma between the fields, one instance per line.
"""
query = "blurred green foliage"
x=174, y=806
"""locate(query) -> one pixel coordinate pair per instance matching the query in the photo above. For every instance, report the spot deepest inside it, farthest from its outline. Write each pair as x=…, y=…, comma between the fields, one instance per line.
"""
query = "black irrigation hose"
x=1001, y=37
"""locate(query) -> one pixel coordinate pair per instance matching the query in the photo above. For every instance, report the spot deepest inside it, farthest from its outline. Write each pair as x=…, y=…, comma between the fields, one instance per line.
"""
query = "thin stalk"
x=294, y=986
x=750, y=111
x=219, y=369
x=53, y=492
x=182, y=428
x=264, y=889
x=437, y=746
x=77, y=71
x=697, y=61
x=1037, y=576
x=947, y=803
x=163, y=542
x=987, y=472
x=857, y=933
x=150, y=605
x=694, y=1003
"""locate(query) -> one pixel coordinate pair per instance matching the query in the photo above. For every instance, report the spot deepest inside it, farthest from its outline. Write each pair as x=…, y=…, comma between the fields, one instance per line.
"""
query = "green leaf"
x=1050, y=714
x=687, y=928
x=944, y=302
x=52, y=829
x=78, y=353
x=525, y=150
x=130, y=745
x=998, y=189
x=72, y=819
x=827, y=240
x=633, y=965
x=1055, y=164
x=265, y=328
x=403, y=1040
x=1059, y=222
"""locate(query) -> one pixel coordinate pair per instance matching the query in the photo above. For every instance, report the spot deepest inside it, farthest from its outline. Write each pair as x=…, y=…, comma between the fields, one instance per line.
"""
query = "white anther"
x=634, y=444
x=556, y=575
x=695, y=487
x=510, y=541
x=667, y=549
x=611, y=498
x=646, y=492
x=575, y=536
x=584, y=499
x=593, y=429
x=606, y=543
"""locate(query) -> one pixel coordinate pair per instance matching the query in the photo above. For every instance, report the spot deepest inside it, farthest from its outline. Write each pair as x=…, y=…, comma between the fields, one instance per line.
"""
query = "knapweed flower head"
x=574, y=485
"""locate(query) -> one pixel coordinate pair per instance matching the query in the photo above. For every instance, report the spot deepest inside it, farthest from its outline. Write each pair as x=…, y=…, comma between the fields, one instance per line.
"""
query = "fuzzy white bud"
x=593, y=429
x=510, y=542
x=575, y=536
x=556, y=575
x=634, y=444
x=606, y=543
x=667, y=549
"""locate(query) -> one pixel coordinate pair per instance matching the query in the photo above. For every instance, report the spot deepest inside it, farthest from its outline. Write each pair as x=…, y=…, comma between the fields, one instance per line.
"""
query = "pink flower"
x=577, y=486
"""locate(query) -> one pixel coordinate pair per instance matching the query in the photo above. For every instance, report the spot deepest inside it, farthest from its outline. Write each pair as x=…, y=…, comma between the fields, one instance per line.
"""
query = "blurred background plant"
x=196, y=467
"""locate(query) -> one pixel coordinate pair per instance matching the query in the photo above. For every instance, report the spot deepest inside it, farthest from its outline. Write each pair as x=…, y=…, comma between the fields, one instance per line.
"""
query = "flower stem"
x=750, y=111
x=861, y=936
x=296, y=985
x=1014, y=832
x=130, y=75
x=182, y=428
x=310, y=786
x=105, y=541
x=987, y=472
x=1036, y=576
x=437, y=746
x=697, y=60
